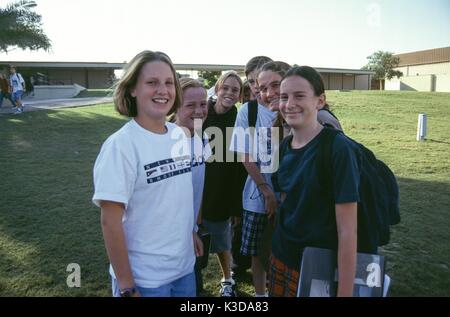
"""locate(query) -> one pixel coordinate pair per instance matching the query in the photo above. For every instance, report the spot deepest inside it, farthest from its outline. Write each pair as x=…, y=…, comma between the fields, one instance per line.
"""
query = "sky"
x=319, y=33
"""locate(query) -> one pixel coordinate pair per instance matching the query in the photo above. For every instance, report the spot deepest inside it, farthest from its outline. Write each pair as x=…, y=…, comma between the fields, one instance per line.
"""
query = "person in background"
x=259, y=199
x=250, y=98
x=222, y=196
x=17, y=88
x=191, y=114
x=247, y=93
x=5, y=90
x=30, y=86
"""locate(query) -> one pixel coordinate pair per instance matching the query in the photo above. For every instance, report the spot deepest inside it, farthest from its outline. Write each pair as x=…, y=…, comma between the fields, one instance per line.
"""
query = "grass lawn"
x=47, y=220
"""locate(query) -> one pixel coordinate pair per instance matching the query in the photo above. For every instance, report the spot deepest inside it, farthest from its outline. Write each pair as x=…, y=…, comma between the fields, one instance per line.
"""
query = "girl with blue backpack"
x=305, y=217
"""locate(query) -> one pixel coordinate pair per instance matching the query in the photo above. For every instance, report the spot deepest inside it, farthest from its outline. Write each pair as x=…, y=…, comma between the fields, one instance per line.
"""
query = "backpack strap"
x=330, y=112
x=284, y=145
x=324, y=160
x=252, y=113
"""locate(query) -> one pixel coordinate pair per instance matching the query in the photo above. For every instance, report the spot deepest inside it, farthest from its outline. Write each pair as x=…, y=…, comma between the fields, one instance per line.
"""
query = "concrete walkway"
x=34, y=105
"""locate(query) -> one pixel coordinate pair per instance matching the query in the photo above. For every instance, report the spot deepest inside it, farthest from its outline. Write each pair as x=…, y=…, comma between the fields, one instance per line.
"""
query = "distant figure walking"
x=5, y=90
x=18, y=88
x=30, y=86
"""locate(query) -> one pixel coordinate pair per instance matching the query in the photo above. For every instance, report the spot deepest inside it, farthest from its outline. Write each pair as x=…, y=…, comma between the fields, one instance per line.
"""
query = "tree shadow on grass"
x=47, y=220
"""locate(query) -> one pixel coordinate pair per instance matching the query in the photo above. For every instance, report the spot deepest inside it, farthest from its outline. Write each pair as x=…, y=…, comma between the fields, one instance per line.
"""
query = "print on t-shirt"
x=167, y=168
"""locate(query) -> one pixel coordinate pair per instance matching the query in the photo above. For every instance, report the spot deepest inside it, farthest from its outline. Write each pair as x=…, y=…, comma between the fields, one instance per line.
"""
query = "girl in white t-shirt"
x=143, y=185
x=190, y=116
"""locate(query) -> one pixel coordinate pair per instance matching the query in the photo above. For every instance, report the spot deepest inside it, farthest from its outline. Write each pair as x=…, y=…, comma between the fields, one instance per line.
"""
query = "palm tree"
x=21, y=27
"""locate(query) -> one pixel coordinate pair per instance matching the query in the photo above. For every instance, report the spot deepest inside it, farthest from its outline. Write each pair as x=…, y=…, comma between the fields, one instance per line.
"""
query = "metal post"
x=422, y=127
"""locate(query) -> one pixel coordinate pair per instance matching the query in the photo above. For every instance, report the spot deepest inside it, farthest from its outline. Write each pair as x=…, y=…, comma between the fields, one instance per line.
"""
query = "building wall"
x=325, y=80
x=335, y=81
x=60, y=77
x=418, y=83
x=86, y=77
x=362, y=82
x=430, y=77
x=99, y=78
x=412, y=83
x=428, y=69
x=348, y=82
x=392, y=85
x=443, y=83
x=78, y=77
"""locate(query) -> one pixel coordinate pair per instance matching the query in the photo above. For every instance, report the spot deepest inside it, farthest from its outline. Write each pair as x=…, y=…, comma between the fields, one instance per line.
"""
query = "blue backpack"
x=378, y=207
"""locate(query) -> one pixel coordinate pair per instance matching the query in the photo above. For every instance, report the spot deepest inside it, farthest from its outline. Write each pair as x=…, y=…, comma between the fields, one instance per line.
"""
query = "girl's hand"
x=198, y=244
x=270, y=201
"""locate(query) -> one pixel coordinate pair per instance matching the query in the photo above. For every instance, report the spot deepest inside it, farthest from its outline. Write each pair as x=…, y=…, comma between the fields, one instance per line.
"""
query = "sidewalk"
x=34, y=105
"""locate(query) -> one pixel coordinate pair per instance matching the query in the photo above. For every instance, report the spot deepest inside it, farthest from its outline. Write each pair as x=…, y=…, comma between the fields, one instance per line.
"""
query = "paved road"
x=34, y=105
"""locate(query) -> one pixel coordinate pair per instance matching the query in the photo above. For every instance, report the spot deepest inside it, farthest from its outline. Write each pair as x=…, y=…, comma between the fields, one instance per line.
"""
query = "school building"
x=427, y=70
x=101, y=75
x=334, y=78
x=88, y=75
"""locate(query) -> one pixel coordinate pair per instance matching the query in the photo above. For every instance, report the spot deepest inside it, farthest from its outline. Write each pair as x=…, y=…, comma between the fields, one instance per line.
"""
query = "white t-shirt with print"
x=16, y=82
x=151, y=175
x=264, y=144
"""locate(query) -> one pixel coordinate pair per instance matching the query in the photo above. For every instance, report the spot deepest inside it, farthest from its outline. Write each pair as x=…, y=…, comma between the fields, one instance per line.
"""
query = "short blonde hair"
x=224, y=77
x=185, y=84
x=281, y=68
x=124, y=103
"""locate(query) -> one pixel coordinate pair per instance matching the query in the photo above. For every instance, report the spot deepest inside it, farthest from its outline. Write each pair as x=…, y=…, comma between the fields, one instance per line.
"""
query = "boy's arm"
x=255, y=174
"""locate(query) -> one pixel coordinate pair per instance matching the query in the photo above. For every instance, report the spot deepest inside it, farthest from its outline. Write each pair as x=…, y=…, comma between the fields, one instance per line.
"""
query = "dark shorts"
x=220, y=235
x=252, y=231
x=283, y=281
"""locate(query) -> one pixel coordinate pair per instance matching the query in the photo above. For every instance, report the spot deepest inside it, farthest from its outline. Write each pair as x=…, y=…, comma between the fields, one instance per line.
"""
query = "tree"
x=210, y=77
x=383, y=64
x=21, y=27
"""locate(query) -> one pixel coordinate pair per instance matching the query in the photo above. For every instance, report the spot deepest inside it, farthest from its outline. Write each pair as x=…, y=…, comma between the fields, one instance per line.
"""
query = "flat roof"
x=344, y=71
x=197, y=67
x=432, y=56
x=63, y=64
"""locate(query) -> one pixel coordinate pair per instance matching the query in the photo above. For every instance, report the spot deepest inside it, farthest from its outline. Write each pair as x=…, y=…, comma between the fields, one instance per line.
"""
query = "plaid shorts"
x=252, y=231
x=283, y=281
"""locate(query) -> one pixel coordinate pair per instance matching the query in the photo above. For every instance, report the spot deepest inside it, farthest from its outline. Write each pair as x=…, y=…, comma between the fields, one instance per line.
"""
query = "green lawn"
x=47, y=220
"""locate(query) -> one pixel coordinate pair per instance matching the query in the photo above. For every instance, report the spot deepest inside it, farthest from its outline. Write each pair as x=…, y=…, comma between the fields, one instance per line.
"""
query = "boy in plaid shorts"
x=259, y=201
